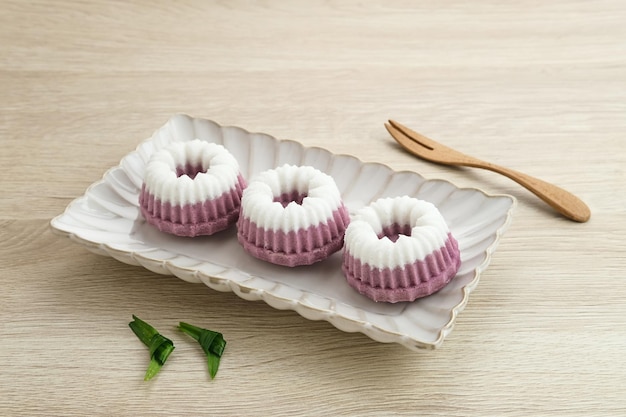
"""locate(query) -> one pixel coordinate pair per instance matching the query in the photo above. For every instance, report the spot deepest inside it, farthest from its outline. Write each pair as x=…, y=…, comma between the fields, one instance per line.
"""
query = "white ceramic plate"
x=107, y=221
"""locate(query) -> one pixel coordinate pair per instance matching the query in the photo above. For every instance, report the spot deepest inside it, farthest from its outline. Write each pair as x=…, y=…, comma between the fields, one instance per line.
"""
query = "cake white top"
x=321, y=199
x=220, y=171
x=429, y=232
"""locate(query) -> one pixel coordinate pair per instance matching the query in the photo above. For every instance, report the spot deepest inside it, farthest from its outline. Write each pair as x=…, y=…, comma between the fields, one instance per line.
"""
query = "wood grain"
x=536, y=86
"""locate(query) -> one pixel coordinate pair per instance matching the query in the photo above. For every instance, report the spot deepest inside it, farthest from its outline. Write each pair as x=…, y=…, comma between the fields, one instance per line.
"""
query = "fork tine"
x=414, y=136
x=407, y=142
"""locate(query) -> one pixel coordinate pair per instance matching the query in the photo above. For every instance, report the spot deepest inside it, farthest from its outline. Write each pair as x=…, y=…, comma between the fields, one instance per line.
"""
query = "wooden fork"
x=562, y=201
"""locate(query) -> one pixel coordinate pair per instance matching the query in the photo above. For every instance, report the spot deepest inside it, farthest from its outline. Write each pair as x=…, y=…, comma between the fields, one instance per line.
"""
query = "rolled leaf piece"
x=212, y=343
x=160, y=347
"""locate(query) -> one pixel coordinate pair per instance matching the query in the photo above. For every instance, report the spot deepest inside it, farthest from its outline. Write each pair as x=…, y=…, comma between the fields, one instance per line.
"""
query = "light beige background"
x=537, y=86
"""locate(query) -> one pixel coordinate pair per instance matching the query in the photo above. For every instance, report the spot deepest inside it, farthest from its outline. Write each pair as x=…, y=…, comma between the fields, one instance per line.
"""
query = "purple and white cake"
x=399, y=249
x=192, y=188
x=292, y=215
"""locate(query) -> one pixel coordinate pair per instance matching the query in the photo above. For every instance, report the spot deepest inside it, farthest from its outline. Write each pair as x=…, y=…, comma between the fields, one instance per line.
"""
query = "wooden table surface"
x=536, y=86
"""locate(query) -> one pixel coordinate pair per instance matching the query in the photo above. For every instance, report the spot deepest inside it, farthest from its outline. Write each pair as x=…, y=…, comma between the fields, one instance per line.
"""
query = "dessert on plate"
x=399, y=249
x=192, y=188
x=292, y=215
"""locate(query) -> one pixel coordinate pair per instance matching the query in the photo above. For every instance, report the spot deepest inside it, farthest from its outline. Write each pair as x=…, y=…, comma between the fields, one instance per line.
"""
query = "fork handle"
x=559, y=199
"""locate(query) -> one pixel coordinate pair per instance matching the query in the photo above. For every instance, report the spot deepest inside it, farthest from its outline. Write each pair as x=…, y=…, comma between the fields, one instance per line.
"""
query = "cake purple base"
x=408, y=282
x=294, y=248
x=202, y=218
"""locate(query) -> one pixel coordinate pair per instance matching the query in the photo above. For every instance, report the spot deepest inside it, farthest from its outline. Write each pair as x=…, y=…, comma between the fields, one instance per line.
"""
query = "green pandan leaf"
x=212, y=343
x=213, y=361
x=160, y=347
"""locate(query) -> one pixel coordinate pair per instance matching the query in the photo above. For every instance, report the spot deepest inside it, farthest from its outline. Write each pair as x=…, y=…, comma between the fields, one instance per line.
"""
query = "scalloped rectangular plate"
x=106, y=220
